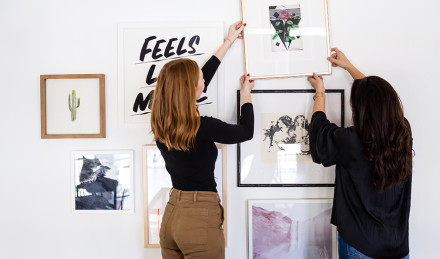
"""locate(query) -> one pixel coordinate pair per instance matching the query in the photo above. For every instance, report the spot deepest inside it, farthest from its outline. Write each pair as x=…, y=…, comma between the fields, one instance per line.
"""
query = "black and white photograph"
x=103, y=181
x=279, y=153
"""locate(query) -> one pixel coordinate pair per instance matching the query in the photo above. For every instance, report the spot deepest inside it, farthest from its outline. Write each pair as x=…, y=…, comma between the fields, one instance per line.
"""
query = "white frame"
x=131, y=202
x=129, y=62
x=292, y=202
x=261, y=63
x=221, y=189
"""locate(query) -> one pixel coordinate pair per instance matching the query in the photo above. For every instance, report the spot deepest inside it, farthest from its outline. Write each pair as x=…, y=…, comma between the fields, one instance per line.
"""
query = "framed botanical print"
x=279, y=153
x=297, y=228
x=157, y=187
x=72, y=106
x=102, y=181
x=285, y=38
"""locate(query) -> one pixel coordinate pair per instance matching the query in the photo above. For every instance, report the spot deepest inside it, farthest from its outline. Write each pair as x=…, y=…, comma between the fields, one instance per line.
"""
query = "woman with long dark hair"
x=192, y=224
x=373, y=162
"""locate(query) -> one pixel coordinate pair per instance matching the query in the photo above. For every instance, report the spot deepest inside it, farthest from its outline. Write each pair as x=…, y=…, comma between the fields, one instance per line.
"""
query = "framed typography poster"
x=144, y=48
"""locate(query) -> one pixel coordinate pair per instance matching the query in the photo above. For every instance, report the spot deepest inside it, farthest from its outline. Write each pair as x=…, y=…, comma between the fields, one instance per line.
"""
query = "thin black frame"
x=239, y=184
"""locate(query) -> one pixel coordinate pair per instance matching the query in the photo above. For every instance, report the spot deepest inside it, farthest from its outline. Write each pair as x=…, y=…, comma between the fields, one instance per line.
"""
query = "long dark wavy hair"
x=383, y=130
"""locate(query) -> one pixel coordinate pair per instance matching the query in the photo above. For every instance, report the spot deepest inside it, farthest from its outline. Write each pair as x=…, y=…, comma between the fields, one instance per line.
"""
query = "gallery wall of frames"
x=81, y=169
x=277, y=156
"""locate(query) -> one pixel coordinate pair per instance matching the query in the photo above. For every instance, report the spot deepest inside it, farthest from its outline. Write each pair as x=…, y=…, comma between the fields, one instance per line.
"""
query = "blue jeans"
x=348, y=252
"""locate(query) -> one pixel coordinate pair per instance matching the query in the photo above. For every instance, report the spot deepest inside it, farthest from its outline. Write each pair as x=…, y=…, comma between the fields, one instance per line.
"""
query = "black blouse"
x=193, y=170
x=375, y=223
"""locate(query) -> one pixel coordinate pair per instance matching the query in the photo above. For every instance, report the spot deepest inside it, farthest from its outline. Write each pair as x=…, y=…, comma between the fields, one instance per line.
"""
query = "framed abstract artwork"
x=157, y=186
x=291, y=229
x=72, y=106
x=102, y=181
x=285, y=38
x=279, y=153
x=144, y=48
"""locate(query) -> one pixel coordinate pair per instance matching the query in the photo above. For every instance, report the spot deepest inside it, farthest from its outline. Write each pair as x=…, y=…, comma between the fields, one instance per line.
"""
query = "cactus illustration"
x=73, y=105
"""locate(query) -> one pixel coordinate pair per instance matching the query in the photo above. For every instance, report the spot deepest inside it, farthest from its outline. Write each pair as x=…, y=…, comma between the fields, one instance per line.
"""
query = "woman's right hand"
x=246, y=88
x=339, y=59
x=246, y=84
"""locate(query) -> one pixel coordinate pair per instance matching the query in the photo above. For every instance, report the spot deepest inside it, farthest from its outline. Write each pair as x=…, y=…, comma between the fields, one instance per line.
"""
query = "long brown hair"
x=383, y=130
x=175, y=118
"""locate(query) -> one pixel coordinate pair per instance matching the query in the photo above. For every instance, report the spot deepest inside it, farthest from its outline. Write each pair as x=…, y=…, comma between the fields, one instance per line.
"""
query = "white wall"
x=397, y=40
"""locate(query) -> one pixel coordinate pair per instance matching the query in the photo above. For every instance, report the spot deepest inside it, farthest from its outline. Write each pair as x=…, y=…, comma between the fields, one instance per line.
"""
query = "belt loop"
x=171, y=191
x=195, y=196
x=178, y=195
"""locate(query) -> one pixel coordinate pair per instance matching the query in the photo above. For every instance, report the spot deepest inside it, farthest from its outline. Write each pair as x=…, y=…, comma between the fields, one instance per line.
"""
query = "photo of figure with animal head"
x=102, y=181
x=284, y=135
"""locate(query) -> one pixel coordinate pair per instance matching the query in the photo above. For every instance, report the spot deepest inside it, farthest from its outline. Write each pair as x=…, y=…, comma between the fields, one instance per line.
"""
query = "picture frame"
x=145, y=47
x=295, y=228
x=102, y=181
x=285, y=38
x=157, y=187
x=72, y=106
x=278, y=155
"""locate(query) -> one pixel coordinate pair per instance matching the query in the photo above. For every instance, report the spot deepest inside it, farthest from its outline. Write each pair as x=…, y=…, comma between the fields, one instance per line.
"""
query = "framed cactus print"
x=285, y=38
x=72, y=106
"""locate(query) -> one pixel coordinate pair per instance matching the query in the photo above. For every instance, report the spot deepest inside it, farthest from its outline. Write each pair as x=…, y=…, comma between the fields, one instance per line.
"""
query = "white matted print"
x=157, y=187
x=72, y=106
x=143, y=49
x=279, y=153
x=285, y=38
x=284, y=229
x=102, y=181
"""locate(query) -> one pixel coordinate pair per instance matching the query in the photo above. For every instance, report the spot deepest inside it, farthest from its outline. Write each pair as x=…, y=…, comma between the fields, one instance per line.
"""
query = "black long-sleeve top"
x=193, y=170
x=373, y=222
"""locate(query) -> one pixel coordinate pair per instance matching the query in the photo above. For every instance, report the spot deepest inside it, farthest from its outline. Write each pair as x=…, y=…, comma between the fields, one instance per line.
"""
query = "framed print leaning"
x=279, y=153
x=157, y=186
x=291, y=229
x=285, y=38
x=144, y=48
x=103, y=181
x=72, y=106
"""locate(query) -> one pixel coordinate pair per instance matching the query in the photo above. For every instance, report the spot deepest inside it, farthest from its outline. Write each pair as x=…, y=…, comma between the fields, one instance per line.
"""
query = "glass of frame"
x=279, y=153
x=291, y=229
x=102, y=181
x=285, y=38
x=72, y=106
x=157, y=186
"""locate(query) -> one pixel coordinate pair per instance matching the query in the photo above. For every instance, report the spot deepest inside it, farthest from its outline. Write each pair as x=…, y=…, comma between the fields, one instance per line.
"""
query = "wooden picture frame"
x=279, y=153
x=72, y=106
x=157, y=186
x=285, y=38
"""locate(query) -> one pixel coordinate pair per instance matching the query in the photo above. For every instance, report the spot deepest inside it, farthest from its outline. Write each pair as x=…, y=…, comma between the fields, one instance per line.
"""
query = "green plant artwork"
x=73, y=105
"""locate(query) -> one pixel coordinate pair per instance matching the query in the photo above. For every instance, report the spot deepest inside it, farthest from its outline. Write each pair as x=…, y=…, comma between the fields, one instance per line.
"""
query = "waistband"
x=179, y=195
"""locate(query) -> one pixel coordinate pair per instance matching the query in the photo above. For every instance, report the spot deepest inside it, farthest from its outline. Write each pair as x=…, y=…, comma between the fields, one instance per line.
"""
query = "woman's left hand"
x=235, y=31
x=317, y=82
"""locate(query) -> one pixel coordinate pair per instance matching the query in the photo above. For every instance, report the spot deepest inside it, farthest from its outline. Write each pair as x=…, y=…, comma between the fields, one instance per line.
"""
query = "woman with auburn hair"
x=192, y=224
x=373, y=159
